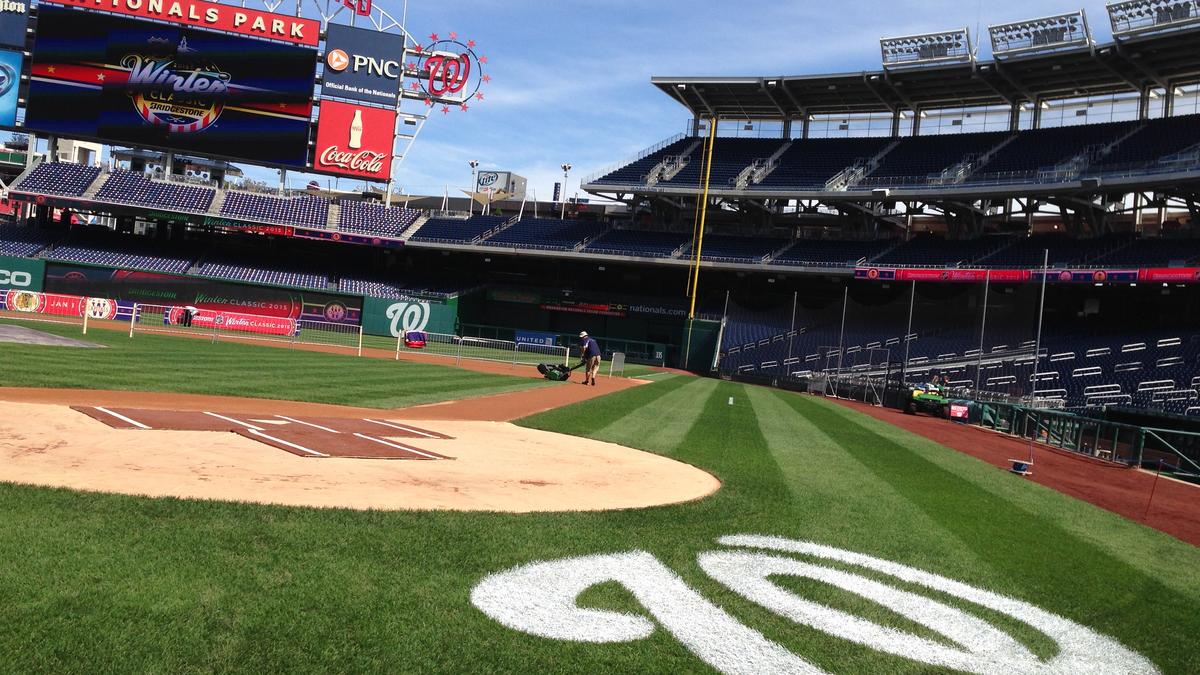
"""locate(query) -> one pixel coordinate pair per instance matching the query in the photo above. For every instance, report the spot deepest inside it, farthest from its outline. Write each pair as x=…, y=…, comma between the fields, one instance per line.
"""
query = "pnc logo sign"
x=337, y=60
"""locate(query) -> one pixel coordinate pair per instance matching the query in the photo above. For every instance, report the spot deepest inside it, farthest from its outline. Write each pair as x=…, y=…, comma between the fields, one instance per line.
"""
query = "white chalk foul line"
x=401, y=427
x=397, y=446
x=121, y=417
x=301, y=448
x=237, y=422
x=309, y=424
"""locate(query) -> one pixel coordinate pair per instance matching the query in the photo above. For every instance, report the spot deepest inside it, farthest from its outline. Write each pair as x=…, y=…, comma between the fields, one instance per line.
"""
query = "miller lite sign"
x=355, y=140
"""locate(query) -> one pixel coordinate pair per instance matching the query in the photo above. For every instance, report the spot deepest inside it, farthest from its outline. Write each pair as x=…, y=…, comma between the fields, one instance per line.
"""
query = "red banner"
x=996, y=276
x=233, y=321
x=32, y=302
x=1178, y=275
x=203, y=14
x=355, y=140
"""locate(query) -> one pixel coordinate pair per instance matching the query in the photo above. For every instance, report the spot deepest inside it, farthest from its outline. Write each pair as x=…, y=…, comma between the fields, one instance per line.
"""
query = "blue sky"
x=571, y=78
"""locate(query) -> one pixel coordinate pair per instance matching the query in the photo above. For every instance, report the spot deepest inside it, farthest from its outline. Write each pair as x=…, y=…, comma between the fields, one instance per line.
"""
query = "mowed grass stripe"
x=664, y=422
x=1116, y=535
x=1005, y=533
x=589, y=417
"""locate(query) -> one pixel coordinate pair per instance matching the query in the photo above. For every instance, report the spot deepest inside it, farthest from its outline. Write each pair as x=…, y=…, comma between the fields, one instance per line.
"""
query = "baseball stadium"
x=887, y=368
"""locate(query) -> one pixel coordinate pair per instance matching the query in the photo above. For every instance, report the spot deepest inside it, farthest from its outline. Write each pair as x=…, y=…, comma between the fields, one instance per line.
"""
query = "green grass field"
x=152, y=362
x=99, y=583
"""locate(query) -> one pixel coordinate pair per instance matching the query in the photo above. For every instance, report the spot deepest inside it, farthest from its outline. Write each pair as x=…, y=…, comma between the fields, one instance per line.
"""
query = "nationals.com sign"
x=355, y=140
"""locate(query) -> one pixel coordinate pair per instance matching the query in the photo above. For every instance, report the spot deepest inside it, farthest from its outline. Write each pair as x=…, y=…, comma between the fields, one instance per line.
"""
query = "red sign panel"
x=1175, y=275
x=203, y=14
x=233, y=321
x=355, y=140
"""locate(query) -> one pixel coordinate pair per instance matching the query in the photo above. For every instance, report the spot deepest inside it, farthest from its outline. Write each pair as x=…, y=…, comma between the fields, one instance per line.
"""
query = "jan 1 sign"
x=541, y=599
x=355, y=140
x=363, y=65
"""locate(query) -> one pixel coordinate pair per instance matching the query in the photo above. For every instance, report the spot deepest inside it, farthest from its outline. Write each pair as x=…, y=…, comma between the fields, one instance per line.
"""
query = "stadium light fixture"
x=1050, y=33
x=474, y=186
x=1147, y=16
x=566, y=171
x=949, y=46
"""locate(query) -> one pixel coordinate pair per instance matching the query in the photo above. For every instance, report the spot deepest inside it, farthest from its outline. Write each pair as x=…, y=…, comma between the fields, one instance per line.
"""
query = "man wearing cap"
x=589, y=354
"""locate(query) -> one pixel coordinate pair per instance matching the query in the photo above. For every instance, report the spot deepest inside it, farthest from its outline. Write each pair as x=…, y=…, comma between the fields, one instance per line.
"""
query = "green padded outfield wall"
x=391, y=317
x=22, y=274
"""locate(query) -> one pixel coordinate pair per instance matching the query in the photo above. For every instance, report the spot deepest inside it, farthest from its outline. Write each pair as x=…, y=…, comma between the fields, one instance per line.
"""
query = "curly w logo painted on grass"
x=541, y=599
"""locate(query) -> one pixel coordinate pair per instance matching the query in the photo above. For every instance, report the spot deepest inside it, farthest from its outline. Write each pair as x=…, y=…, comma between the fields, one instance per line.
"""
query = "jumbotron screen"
x=121, y=80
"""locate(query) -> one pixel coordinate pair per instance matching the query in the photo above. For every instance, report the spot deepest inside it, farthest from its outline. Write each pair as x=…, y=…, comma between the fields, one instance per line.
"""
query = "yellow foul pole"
x=698, y=243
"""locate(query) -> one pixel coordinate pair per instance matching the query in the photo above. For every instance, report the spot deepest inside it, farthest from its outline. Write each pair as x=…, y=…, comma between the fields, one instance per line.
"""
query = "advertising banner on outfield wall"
x=396, y=317
x=22, y=274
x=164, y=289
x=54, y=304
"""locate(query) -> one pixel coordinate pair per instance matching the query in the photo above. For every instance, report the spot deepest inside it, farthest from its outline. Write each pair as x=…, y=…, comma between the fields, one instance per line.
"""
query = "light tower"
x=474, y=183
x=566, y=171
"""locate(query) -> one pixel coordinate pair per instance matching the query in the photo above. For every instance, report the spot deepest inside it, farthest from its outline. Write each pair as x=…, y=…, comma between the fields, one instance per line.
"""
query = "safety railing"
x=458, y=347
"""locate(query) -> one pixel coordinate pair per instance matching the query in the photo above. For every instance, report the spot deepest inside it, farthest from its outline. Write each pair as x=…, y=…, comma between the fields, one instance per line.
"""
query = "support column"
x=695, y=130
x=1037, y=114
x=787, y=129
x=804, y=124
x=1144, y=103
x=1169, y=101
x=1014, y=117
x=896, y=123
x=916, y=122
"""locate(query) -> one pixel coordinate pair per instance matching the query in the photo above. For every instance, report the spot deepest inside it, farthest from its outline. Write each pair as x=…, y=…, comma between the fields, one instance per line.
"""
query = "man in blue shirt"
x=589, y=353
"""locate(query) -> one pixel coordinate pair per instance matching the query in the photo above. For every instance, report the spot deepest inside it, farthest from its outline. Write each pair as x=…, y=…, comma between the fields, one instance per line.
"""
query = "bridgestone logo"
x=542, y=599
x=363, y=160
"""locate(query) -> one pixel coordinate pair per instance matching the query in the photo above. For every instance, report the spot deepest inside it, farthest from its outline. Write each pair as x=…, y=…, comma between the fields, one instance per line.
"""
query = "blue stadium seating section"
x=23, y=242
x=635, y=172
x=1029, y=252
x=636, y=243
x=937, y=252
x=457, y=230
x=810, y=164
x=128, y=256
x=924, y=156
x=547, y=233
x=727, y=248
x=393, y=290
x=375, y=219
x=260, y=274
x=1154, y=253
x=822, y=253
x=301, y=211
x=59, y=178
x=126, y=187
x=730, y=156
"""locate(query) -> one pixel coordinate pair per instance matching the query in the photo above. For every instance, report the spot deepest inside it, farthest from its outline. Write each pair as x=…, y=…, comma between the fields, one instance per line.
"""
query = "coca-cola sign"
x=355, y=140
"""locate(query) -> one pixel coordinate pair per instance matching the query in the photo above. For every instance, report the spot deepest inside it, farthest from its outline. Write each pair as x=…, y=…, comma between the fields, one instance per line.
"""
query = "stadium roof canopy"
x=1128, y=65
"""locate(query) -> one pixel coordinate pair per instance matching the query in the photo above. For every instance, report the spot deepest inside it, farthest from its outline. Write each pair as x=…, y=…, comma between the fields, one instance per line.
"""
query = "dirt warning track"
x=318, y=437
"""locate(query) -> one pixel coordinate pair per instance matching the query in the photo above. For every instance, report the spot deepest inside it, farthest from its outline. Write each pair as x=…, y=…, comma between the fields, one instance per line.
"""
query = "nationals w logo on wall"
x=355, y=140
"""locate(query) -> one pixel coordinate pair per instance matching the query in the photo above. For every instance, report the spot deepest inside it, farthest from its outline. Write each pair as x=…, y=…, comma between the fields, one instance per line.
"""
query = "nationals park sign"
x=202, y=14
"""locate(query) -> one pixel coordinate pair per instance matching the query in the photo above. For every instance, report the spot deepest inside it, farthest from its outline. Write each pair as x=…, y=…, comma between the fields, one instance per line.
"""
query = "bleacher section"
x=59, y=178
x=1064, y=252
x=394, y=291
x=304, y=210
x=637, y=243
x=261, y=274
x=125, y=255
x=375, y=219
x=126, y=187
x=925, y=156
x=635, y=172
x=726, y=248
x=1154, y=253
x=821, y=253
x=457, y=230
x=1156, y=140
x=547, y=233
x=23, y=242
x=936, y=252
x=1043, y=149
x=730, y=156
x=810, y=163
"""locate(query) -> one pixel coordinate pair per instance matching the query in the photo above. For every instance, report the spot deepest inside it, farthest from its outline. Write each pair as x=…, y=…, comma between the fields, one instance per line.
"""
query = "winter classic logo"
x=541, y=599
x=175, y=87
x=408, y=317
